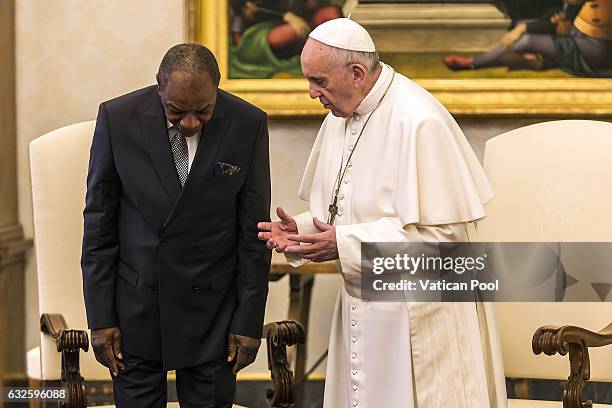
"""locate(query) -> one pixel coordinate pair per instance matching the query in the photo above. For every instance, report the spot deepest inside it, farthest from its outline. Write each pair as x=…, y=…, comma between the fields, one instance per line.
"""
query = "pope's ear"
x=359, y=74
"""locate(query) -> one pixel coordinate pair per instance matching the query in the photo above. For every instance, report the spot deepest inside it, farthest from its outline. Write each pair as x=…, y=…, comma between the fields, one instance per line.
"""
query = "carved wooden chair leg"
x=580, y=373
x=69, y=343
x=278, y=336
x=551, y=340
x=299, y=310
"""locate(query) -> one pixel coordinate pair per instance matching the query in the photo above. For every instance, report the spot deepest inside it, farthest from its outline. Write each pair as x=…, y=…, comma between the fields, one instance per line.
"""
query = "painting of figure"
x=492, y=38
x=267, y=36
x=479, y=57
x=432, y=39
x=574, y=36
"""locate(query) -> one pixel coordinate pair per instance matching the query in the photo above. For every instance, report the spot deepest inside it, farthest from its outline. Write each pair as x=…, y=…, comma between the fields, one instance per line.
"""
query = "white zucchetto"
x=344, y=33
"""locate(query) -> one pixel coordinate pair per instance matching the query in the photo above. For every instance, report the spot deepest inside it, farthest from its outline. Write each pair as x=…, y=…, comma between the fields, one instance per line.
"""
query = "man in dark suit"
x=174, y=276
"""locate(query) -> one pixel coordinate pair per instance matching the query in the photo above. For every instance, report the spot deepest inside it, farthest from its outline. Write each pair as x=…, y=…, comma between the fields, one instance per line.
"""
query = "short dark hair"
x=191, y=59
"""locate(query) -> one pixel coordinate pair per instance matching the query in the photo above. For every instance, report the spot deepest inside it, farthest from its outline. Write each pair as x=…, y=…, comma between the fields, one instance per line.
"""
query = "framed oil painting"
x=487, y=57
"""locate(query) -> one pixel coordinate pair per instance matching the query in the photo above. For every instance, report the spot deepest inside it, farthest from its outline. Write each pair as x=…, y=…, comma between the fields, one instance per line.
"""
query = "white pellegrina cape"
x=412, y=178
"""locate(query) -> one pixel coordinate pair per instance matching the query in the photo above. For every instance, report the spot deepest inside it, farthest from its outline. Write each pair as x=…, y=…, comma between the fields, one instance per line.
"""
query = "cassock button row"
x=355, y=388
x=354, y=132
x=354, y=372
x=341, y=196
x=349, y=165
x=339, y=213
x=357, y=118
x=354, y=339
x=353, y=323
x=354, y=307
x=355, y=403
x=354, y=356
x=151, y=287
x=346, y=181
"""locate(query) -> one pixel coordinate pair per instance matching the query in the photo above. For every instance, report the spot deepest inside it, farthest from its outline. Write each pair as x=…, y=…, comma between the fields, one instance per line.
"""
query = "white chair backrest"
x=551, y=183
x=58, y=165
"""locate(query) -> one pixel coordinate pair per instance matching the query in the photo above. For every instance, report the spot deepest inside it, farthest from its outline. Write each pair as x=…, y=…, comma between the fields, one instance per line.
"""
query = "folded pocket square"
x=225, y=169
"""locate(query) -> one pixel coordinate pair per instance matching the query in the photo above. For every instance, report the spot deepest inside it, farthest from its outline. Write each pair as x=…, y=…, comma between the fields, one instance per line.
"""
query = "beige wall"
x=74, y=54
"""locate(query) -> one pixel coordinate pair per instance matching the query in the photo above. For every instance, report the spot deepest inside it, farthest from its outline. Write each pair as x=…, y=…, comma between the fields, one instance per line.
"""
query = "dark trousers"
x=143, y=385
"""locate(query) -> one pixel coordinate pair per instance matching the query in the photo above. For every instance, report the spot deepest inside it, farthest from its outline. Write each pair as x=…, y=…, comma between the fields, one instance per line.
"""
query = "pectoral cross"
x=333, y=210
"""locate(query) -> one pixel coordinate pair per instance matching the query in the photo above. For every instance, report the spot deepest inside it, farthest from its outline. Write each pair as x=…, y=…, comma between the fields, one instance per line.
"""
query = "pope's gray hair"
x=342, y=57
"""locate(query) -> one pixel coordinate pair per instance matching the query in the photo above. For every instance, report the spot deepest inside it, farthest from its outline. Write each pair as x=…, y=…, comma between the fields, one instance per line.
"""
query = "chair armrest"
x=555, y=339
x=69, y=343
x=551, y=340
x=278, y=336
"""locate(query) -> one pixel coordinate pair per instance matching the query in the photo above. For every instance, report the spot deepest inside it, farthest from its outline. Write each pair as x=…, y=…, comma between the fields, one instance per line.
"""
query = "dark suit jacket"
x=176, y=269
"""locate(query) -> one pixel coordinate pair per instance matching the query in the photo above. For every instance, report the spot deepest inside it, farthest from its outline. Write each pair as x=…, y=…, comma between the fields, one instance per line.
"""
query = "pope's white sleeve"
x=389, y=229
x=305, y=226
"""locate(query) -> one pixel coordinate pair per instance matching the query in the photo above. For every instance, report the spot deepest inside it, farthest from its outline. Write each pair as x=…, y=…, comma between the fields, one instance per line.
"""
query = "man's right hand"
x=106, y=344
x=275, y=233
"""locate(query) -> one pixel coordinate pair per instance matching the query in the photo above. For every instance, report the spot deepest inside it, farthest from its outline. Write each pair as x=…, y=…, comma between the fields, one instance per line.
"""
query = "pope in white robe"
x=412, y=178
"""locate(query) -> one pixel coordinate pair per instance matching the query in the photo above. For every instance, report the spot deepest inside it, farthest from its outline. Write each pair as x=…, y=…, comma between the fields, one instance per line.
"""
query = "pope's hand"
x=318, y=247
x=275, y=233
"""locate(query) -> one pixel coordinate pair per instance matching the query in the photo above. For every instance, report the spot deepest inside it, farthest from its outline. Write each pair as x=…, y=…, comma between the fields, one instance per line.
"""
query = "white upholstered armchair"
x=552, y=184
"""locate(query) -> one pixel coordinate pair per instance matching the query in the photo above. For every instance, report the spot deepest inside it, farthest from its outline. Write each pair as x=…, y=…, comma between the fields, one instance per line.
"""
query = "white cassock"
x=413, y=177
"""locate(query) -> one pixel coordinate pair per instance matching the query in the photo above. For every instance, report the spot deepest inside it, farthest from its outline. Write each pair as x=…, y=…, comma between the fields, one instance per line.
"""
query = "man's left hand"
x=241, y=350
x=317, y=247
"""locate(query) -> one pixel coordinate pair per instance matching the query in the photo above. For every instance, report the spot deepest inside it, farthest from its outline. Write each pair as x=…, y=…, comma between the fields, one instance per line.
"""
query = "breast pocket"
x=225, y=168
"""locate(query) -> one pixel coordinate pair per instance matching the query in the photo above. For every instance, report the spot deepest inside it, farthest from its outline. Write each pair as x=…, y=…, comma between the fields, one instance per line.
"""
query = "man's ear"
x=359, y=75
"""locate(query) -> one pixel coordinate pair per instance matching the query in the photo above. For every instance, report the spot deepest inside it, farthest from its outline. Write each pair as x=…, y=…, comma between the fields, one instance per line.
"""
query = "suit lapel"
x=155, y=137
x=201, y=170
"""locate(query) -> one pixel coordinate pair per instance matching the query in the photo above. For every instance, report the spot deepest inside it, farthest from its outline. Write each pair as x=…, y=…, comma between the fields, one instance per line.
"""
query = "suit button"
x=196, y=289
x=163, y=242
x=151, y=287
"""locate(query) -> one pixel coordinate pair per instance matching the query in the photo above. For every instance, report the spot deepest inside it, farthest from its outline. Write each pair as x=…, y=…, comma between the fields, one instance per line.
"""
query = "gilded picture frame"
x=207, y=23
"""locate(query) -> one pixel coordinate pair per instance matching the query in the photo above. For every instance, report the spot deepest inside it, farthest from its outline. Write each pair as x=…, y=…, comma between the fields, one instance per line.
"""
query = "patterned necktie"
x=181, y=156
